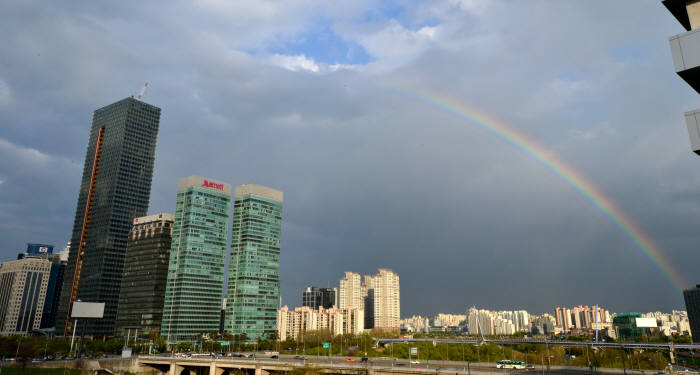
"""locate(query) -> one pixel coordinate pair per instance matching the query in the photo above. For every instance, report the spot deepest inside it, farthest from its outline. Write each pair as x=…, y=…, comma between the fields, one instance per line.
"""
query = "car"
x=364, y=359
x=530, y=367
x=415, y=362
x=349, y=360
x=275, y=356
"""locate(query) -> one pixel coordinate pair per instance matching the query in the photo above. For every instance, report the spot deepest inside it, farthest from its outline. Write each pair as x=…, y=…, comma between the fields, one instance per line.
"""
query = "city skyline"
x=375, y=177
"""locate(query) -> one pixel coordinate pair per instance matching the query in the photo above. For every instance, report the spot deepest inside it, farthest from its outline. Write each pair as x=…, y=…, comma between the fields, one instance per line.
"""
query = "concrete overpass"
x=337, y=365
x=225, y=366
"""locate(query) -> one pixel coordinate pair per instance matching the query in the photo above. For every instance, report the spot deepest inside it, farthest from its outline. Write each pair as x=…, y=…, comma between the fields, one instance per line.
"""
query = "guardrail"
x=628, y=345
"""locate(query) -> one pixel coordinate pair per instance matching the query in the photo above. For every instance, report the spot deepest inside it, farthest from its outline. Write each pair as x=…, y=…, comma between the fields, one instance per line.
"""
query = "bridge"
x=337, y=365
x=250, y=366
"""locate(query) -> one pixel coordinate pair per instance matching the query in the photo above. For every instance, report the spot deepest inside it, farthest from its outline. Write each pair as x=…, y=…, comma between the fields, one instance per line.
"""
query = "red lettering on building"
x=213, y=185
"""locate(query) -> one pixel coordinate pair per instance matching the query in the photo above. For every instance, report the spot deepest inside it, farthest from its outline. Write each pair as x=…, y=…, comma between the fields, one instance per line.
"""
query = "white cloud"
x=295, y=63
x=26, y=154
x=394, y=45
x=298, y=63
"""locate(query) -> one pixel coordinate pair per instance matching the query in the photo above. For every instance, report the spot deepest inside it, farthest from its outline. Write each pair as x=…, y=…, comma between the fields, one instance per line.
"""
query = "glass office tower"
x=197, y=260
x=115, y=188
x=254, y=268
x=692, y=305
x=145, y=274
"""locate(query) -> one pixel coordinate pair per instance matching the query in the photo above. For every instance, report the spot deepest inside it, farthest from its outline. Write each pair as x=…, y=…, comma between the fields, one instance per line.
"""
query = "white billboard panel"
x=646, y=322
x=94, y=310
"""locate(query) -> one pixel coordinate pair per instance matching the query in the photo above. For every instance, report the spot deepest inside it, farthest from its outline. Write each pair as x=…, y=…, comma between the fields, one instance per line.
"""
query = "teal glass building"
x=197, y=259
x=254, y=267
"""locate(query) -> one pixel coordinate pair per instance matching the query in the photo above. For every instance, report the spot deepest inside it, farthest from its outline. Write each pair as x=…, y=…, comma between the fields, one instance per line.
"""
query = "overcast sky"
x=301, y=96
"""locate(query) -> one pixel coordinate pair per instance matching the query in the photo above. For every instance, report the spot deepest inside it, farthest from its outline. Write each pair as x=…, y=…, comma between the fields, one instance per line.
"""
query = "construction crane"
x=141, y=93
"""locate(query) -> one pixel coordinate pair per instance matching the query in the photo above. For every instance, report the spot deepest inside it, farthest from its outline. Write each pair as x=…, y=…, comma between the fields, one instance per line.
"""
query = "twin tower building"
x=164, y=274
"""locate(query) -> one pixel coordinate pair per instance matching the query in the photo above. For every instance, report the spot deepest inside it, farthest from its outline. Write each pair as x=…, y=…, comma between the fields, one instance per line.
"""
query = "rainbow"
x=559, y=168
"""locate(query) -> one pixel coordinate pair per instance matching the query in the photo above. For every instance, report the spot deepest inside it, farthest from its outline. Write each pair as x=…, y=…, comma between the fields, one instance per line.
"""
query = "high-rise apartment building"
x=379, y=296
x=142, y=291
x=685, y=59
x=686, y=62
x=293, y=323
x=254, y=267
x=115, y=188
x=382, y=301
x=23, y=285
x=692, y=305
x=350, y=293
x=197, y=259
x=315, y=297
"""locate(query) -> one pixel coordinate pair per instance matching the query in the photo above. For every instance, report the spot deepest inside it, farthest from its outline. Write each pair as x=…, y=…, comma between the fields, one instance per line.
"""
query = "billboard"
x=93, y=310
x=646, y=322
x=38, y=248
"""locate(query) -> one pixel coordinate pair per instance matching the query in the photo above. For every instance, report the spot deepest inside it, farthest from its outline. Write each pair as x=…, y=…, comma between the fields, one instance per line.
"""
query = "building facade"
x=625, y=326
x=195, y=277
x=580, y=317
x=686, y=62
x=254, y=267
x=350, y=293
x=692, y=306
x=115, y=188
x=23, y=285
x=316, y=297
x=382, y=300
x=291, y=324
x=53, y=289
x=685, y=59
x=142, y=291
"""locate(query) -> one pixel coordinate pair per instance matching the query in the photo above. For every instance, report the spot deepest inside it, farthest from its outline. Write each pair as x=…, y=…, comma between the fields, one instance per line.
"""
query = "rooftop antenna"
x=142, y=92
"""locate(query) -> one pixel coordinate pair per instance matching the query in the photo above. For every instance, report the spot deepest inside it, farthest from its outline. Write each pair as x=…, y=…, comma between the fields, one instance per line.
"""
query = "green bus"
x=504, y=363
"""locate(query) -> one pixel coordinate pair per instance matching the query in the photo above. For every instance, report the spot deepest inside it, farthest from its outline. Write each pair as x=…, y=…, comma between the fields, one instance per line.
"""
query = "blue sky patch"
x=324, y=45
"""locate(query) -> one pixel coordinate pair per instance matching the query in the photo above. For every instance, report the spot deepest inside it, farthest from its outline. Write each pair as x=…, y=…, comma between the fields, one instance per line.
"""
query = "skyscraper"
x=197, y=259
x=23, y=285
x=142, y=290
x=692, y=305
x=53, y=288
x=55, y=283
x=115, y=188
x=254, y=268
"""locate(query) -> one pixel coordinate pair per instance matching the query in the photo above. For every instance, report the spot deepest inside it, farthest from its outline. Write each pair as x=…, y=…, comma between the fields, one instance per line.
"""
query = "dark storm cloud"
x=371, y=178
